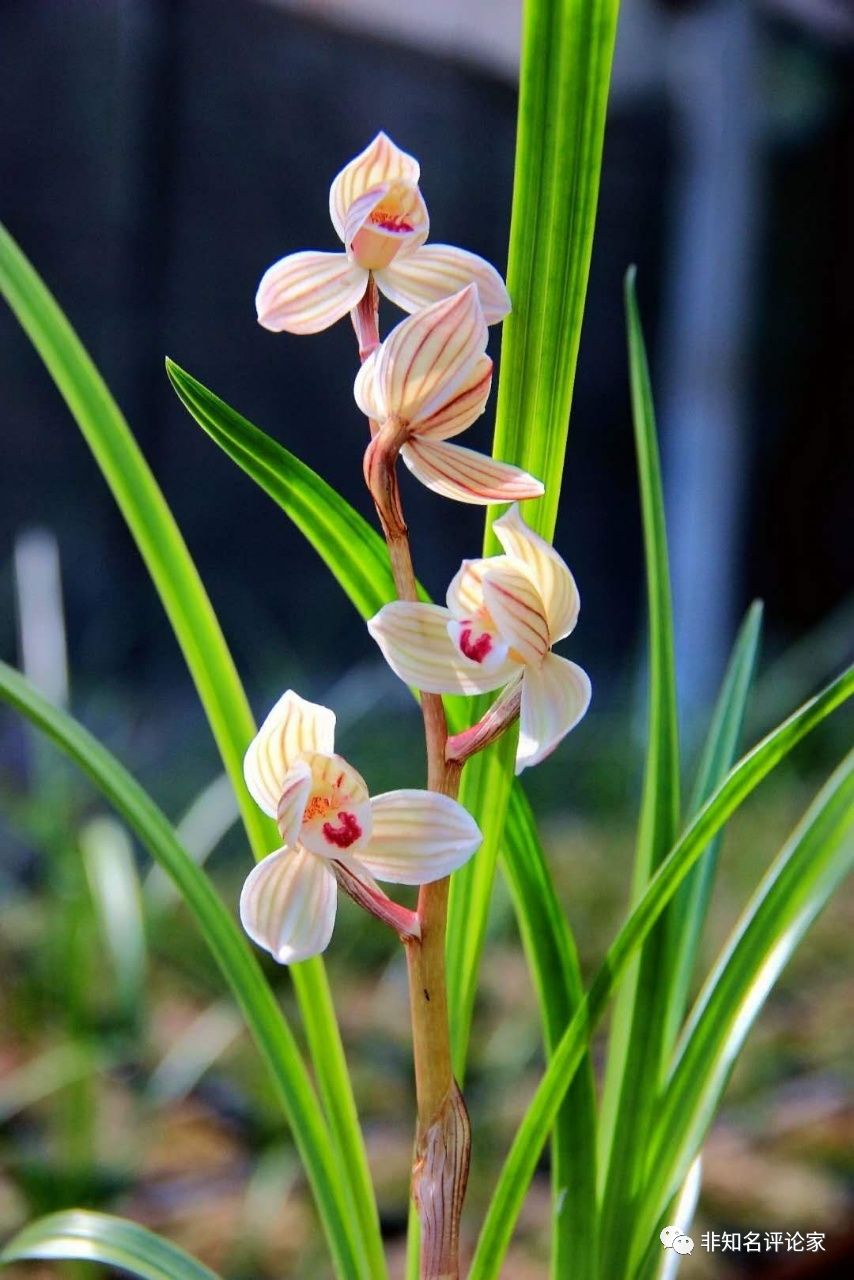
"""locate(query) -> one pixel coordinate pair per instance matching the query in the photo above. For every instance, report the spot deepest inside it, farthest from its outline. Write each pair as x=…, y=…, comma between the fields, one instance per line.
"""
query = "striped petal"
x=466, y=475
x=381, y=161
x=416, y=644
x=309, y=291
x=418, y=837
x=293, y=728
x=554, y=581
x=555, y=696
x=367, y=392
x=288, y=905
x=292, y=801
x=414, y=280
x=426, y=359
x=463, y=407
x=385, y=221
x=515, y=606
x=464, y=597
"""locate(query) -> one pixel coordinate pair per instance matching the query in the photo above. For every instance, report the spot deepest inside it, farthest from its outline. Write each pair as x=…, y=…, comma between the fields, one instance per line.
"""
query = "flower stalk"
x=443, y=1134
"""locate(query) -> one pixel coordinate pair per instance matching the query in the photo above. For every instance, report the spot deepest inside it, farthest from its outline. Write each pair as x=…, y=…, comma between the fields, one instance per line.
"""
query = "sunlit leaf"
x=799, y=883
x=518, y=1169
x=210, y=664
x=99, y=1237
x=231, y=952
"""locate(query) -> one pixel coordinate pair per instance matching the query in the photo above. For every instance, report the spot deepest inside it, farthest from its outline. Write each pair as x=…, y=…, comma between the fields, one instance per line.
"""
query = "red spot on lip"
x=345, y=833
x=477, y=649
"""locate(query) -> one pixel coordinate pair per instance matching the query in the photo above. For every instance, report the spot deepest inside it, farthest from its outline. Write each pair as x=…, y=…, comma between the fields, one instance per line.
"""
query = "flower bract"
x=379, y=213
x=503, y=615
x=325, y=814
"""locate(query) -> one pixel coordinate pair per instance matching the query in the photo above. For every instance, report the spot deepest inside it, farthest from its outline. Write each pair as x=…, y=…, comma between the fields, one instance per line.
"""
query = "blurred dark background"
x=157, y=155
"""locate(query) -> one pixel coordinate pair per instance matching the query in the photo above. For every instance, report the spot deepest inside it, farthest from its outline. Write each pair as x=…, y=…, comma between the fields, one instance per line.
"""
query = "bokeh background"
x=155, y=157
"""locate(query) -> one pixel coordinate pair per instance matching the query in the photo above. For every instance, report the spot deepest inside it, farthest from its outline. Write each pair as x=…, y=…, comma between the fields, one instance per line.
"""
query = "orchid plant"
x=621, y=1169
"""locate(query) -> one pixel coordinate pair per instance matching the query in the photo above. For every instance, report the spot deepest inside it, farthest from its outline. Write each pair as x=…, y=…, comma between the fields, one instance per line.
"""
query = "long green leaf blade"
x=567, y=51
x=686, y=914
x=740, y=782
x=797, y=885
x=553, y=961
x=207, y=656
x=100, y=1237
x=638, y=1026
x=231, y=952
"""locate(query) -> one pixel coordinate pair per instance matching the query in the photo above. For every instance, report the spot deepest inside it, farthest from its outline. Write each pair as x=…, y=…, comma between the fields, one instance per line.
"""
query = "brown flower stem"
x=443, y=1134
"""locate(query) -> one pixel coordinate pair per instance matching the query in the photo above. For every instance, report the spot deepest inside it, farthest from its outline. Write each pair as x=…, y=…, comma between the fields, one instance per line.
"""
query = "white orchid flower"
x=325, y=815
x=379, y=213
x=503, y=615
x=431, y=380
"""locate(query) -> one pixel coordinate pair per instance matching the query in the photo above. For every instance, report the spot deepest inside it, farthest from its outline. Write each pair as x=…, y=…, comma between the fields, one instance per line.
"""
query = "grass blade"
x=213, y=672
x=686, y=914
x=798, y=884
x=740, y=782
x=636, y=1046
x=553, y=961
x=231, y=952
x=100, y=1237
x=567, y=51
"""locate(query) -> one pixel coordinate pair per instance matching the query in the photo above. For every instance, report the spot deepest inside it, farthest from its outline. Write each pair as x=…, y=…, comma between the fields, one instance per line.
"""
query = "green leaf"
x=686, y=915
x=740, y=782
x=201, y=640
x=797, y=886
x=553, y=961
x=567, y=51
x=100, y=1237
x=485, y=790
x=231, y=952
x=344, y=540
x=636, y=1047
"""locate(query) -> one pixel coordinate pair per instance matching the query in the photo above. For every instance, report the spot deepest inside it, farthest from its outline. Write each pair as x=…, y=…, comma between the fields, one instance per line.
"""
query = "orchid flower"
x=429, y=380
x=503, y=615
x=380, y=215
x=325, y=815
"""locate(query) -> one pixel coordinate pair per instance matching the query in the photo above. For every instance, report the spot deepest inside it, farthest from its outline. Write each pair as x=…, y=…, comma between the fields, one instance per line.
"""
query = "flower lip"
x=384, y=221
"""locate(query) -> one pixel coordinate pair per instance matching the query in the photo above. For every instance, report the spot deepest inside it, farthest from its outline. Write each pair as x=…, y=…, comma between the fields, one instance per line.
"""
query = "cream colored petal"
x=466, y=475
x=386, y=221
x=427, y=358
x=414, y=280
x=292, y=728
x=309, y=291
x=415, y=643
x=516, y=608
x=418, y=837
x=464, y=597
x=288, y=905
x=554, y=698
x=554, y=581
x=292, y=801
x=367, y=392
x=381, y=161
x=337, y=816
x=463, y=408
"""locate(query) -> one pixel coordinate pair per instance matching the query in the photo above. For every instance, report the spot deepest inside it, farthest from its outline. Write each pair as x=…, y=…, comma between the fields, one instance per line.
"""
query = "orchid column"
x=425, y=384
